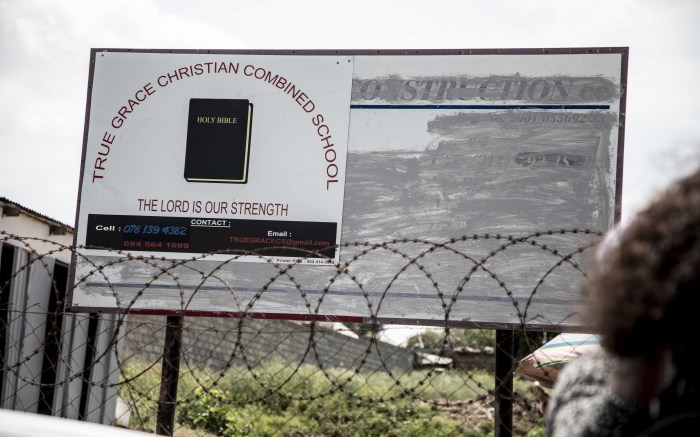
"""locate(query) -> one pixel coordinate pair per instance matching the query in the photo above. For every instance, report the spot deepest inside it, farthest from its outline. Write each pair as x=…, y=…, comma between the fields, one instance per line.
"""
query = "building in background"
x=51, y=362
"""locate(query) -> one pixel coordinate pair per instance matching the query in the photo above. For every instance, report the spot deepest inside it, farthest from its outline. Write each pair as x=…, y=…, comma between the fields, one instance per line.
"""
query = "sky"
x=45, y=48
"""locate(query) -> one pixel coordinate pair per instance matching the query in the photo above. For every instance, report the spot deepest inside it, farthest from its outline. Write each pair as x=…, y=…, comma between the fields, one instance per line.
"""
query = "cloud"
x=44, y=48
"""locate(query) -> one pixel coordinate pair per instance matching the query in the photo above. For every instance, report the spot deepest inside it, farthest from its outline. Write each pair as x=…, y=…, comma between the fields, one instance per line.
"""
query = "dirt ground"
x=528, y=411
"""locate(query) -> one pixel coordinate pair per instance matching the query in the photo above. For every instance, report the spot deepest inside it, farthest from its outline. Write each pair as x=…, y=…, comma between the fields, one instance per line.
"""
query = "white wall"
x=36, y=234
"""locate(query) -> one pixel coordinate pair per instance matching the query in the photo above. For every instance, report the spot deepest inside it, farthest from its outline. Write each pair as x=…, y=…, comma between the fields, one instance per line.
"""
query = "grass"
x=278, y=400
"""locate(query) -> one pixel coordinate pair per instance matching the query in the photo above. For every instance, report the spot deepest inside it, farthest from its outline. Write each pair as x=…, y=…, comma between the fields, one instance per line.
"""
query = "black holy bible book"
x=218, y=140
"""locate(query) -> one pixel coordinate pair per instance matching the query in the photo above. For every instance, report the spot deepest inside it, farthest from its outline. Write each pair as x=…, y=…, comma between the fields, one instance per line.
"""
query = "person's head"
x=645, y=290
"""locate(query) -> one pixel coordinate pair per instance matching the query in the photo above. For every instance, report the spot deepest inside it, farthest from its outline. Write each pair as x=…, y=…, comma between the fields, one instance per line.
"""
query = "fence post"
x=170, y=376
x=505, y=352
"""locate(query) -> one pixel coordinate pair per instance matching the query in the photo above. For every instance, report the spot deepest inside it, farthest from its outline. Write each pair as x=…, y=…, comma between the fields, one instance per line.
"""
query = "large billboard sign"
x=343, y=185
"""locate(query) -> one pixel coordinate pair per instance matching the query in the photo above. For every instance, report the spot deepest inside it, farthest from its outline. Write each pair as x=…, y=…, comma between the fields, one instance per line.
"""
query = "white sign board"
x=192, y=153
x=242, y=182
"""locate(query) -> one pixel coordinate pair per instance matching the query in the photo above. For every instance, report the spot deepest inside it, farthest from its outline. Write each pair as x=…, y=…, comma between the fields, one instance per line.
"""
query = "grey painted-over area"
x=494, y=172
x=505, y=172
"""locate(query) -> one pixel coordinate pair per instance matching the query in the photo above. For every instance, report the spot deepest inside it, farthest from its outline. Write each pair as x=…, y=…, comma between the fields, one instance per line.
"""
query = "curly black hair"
x=645, y=291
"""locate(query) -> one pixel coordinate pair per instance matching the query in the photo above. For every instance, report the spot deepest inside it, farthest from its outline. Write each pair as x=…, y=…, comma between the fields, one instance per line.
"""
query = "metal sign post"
x=505, y=353
x=170, y=376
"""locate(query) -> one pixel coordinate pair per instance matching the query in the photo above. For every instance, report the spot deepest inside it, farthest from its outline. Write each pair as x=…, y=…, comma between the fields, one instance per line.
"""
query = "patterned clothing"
x=583, y=403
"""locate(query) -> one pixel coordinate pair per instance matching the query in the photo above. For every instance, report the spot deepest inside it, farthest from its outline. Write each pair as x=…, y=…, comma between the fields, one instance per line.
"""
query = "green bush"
x=335, y=414
x=208, y=411
x=140, y=386
x=274, y=399
x=438, y=339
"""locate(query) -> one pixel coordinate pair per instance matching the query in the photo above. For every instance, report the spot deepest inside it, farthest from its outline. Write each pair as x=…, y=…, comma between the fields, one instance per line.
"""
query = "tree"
x=457, y=337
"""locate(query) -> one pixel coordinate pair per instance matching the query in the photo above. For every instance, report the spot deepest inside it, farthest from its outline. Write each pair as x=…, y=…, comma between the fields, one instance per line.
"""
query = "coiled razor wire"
x=245, y=338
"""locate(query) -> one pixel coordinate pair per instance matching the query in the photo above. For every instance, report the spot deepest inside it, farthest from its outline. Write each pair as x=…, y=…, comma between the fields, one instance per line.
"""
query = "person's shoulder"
x=583, y=402
x=590, y=369
x=584, y=381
